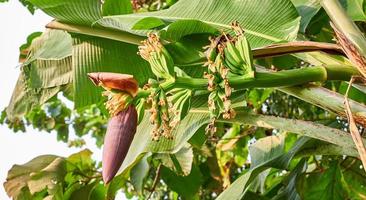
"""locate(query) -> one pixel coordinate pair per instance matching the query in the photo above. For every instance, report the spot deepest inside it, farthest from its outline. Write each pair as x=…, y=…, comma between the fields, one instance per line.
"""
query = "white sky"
x=16, y=24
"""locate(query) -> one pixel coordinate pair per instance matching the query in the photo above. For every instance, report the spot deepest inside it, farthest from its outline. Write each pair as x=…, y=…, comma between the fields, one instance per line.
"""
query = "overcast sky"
x=16, y=24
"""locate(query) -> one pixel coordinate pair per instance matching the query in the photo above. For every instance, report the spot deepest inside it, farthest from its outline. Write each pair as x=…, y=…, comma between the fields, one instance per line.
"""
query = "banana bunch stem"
x=267, y=79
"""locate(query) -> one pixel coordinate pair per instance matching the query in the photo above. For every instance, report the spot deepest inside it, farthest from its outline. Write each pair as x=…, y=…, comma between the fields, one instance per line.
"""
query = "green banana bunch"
x=181, y=103
x=211, y=50
x=160, y=115
x=180, y=100
x=238, y=54
x=219, y=104
x=167, y=108
x=216, y=104
x=218, y=84
x=216, y=73
x=161, y=62
x=155, y=117
x=165, y=116
x=245, y=51
x=215, y=107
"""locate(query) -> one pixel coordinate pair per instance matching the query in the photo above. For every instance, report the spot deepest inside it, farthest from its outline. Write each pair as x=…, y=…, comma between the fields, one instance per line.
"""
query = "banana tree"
x=205, y=99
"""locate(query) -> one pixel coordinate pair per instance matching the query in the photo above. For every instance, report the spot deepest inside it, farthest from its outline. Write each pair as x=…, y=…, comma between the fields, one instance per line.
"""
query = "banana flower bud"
x=109, y=80
x=121, y=89
x=120, y=132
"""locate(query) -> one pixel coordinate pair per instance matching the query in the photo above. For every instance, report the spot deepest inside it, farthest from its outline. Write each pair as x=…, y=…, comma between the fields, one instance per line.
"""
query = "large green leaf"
x=290, y=191
x=116, y=7
x=265, y=149
x=304, y=128
x=59, y=41
x=355, y=9
x=317, y=147
x=355, y=180
x=179, y=29
x=49, y=73
x=81, y=160
x=185, y=186
x=324, y=185
x=49, y=63
x=307, y=10
x=46, y=71
x=84, y=192
x=264, y=22
x=180, y=162
x=139, y=172
x=43, y=172
x=271, y=151
x=327, y=99
x=92, y=54
x=78, y=16
x=71, y=11
x=82, y=11
x=24, y=98
x=78, y=166
x=239, y=187
x=52, y=177
x=143, y=142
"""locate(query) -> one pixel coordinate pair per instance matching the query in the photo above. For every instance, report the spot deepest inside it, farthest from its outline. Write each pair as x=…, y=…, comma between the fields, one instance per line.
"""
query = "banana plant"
x=196, y=99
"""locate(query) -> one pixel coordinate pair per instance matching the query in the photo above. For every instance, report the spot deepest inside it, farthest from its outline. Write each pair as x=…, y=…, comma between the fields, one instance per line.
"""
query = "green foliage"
x=191, y=182
x=69, y=11
x=220, y=13
x=307, y=10
x=24, y=49
x=56, y=116
x=353, y=182
x=31, y=8
x=92, y=54
x=284, y=142
x=267, y=152
x=139, y=172
x=43, y=172
x=116, y=7
x=329, y=184
x=54, y=177
x=355, y=9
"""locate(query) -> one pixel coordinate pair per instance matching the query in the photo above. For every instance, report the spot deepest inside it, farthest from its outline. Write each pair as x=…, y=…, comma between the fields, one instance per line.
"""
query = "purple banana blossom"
x=122, y=125
x=120, y=132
